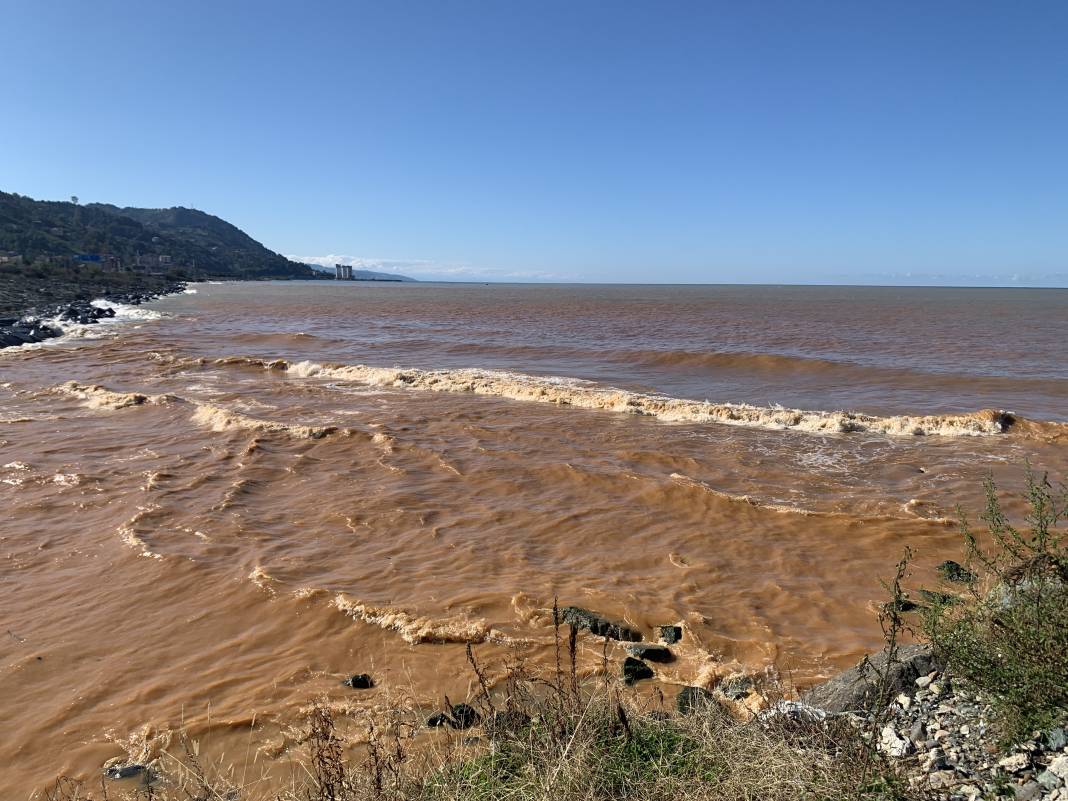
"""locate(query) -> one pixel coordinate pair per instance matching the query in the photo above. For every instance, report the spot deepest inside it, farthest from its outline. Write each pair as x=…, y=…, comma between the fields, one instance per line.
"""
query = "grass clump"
x=1008, y=634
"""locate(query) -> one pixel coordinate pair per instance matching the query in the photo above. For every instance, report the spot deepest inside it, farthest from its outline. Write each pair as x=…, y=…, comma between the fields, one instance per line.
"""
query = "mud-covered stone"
x=603, y=627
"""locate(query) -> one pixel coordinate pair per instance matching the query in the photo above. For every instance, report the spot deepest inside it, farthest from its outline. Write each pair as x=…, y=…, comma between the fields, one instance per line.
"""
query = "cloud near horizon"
x=428, y=269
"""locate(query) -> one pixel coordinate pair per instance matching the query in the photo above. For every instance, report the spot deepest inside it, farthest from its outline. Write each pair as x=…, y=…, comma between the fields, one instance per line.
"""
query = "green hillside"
x=197, y=244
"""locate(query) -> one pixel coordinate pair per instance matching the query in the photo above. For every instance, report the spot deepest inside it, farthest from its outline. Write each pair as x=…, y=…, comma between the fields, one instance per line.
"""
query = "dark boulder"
x=124, y=771
x=651, y=653
x=901, y=605
x=694, y=699
x=671, y=634
x=634, y=670
x=359, y=681
x=956, y=572
x=857, y=688
x=585, y=619
x=464, y=716
x=15, y=337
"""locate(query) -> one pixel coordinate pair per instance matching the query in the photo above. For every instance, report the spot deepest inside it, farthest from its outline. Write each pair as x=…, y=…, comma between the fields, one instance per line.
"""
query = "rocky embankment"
x=47, y=322
x=940, y=734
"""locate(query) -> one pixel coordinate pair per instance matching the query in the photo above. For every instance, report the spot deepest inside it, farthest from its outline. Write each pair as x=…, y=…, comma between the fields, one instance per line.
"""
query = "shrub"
x=1009, y=636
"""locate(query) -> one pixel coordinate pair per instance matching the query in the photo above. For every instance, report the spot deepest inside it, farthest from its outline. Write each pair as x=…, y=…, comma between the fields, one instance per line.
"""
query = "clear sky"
x=855, y=142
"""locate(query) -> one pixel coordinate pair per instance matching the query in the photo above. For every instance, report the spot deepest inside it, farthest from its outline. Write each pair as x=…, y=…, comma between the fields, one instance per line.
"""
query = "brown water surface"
x=217, y=507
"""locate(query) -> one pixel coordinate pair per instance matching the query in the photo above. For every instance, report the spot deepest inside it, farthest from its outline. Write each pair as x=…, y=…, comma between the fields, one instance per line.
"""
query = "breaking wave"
x=416, y=629
x=216, y=418
x=220, y=419
x=587, y=395
x=98, y=397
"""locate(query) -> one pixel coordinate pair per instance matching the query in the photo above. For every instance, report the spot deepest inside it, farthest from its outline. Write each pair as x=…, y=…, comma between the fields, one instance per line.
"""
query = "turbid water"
x=219, y=505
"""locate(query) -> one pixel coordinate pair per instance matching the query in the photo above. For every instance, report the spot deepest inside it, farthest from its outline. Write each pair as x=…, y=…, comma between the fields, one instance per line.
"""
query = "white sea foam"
x=104, y=327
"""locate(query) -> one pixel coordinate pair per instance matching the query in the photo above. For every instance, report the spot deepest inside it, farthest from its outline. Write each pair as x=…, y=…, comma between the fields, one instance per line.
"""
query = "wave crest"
x=586, y=395
x=99, y=397
x=416, y=629
x=219, y=419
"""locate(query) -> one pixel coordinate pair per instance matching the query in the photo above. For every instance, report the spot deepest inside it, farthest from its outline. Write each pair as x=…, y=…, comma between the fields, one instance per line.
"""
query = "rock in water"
x=359, y=681
x=585, y=619
x=956, y=572
x=671, y=634
x=634, y=670
x=856, y=688
x=464, y=716
x=124, y=771
x=651, y=653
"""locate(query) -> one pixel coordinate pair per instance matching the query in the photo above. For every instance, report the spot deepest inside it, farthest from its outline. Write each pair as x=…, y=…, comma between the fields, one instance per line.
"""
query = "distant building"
x=343, y=272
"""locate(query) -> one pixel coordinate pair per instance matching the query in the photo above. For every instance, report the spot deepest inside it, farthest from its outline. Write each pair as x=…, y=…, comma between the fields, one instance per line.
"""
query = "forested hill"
x=197, y=244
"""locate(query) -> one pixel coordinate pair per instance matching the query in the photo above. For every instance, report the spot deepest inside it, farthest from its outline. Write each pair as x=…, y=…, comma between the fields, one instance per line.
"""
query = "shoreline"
x=39, y=324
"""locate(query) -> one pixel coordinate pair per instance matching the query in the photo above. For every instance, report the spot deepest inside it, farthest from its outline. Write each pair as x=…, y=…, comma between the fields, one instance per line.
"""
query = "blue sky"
x=905, y=142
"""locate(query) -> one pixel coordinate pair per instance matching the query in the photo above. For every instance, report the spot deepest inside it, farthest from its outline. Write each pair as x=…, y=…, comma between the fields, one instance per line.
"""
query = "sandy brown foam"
x=214, y=417
x=586, y=395
x=415, y=629
x=220, y=419
x=98, y=397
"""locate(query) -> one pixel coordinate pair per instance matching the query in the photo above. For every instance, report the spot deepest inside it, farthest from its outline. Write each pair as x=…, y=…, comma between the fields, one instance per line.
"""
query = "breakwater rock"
x=53, y=321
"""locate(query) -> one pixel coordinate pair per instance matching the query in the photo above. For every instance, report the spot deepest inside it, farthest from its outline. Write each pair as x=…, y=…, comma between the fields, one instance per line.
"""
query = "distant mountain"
x=198, y=244
x=366, y=275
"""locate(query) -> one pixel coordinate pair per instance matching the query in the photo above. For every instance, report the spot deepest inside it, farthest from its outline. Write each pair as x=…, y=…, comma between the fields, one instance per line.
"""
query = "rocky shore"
x=936, y=732
x=46, y=322
x=940, y=735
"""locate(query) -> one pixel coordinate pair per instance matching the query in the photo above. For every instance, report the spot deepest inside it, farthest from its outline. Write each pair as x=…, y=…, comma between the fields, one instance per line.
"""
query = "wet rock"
x=671, y=634
x=124, y=771
x=634, y=670
x=603, y=627
x=359, y=681
x=464, y=717
x=901, y=605
x=651, y=653
x=956, y=572
x=855, y=689
x=693, y=699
